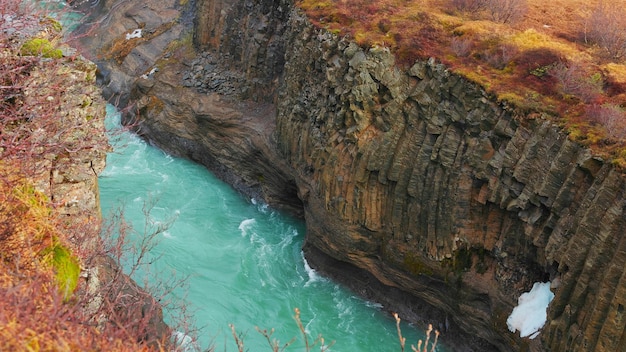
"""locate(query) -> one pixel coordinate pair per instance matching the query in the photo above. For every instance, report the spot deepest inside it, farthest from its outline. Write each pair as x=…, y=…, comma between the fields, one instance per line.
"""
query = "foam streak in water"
x=245, y=226
x=313, y=276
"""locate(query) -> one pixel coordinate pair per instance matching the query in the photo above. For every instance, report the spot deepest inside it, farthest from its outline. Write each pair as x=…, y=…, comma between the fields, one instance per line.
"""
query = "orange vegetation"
x=37, y=313
x=565, y=58
x=45, y=302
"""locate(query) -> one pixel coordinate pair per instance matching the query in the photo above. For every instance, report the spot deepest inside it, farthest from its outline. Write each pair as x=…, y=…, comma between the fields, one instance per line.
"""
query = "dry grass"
x=515, y=60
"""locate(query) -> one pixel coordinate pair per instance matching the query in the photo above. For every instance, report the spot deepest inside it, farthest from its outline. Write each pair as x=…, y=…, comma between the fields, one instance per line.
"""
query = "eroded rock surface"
x=427, y=179
x=418, y=189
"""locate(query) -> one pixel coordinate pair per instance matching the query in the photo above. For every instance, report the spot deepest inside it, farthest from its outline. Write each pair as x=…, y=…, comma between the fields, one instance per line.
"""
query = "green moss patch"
x=66, y=268
x=40, y=47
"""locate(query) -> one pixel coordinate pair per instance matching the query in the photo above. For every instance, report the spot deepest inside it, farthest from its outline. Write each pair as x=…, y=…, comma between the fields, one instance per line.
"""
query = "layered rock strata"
x=440, y=201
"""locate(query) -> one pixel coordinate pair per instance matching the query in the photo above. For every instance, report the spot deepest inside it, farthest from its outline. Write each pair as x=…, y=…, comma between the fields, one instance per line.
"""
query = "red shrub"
x=501, y=55
x=611, y=117
x=461, y=47
x=469, y=6
x=578, y=81
x=606, y=27
x=506, y=11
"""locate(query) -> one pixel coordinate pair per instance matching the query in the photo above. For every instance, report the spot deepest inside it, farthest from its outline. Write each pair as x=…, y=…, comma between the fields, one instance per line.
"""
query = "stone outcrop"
x=69, y=177
x=67, y=154
x=230, y=136
x=417, y=187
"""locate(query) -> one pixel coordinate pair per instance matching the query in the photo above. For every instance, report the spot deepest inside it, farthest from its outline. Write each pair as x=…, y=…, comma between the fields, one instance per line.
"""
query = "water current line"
x=243, y=259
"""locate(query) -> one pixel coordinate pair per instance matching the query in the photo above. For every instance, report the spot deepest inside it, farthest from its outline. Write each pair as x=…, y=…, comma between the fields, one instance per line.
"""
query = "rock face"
x=417, y=187
x=68, y=176
x=231, y=137
x=424, y=182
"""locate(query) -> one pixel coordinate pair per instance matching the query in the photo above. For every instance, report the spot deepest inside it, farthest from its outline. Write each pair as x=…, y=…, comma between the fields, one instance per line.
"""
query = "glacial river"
x=243, y=259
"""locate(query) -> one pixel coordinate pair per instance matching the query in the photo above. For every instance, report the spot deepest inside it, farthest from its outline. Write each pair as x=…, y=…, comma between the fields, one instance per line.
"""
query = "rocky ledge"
x=61, y=148
x=418, y=188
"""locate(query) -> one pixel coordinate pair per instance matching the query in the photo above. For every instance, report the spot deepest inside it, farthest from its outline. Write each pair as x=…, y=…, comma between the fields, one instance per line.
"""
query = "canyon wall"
x=62, y=154
x=422, y=179
x=418, y=189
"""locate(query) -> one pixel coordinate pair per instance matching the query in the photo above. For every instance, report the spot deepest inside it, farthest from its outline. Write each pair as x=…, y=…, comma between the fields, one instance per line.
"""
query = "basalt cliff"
x=419, y=189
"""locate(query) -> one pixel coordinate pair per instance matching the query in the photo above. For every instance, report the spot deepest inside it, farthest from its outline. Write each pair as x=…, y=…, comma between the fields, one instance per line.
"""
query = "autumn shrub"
x=34, y=313
x=578, y=81
x=500, y=55
x=319, y=343
x=506, y=11
x=60, y=290
x=611, y=117
x=469, y=6
x=461, y=47
x=428, y=346
x=384, y=25
x=606, y=27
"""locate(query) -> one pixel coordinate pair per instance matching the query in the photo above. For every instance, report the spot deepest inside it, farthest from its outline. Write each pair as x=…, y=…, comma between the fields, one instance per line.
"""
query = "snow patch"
x=149, y=74
x=530, y=314
x=135, y=34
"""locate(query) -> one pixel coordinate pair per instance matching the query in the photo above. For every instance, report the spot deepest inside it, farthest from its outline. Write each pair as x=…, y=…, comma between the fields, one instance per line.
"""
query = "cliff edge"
x=419, y=189
x=60, y=289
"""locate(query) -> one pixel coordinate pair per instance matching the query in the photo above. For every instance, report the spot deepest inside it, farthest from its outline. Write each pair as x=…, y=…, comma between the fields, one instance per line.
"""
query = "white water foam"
x=374, y=305
x=344, y=309
x=288, y=239
x=260, y=205
x=312, y=274
x=245, y=226
x=308, y=324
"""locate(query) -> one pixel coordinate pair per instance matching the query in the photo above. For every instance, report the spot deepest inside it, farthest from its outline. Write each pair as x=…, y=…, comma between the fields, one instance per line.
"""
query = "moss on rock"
x=66, y=268
x=40, y=47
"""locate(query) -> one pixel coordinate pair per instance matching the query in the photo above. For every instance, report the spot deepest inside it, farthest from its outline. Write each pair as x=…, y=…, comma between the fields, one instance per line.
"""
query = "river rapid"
x=242, y=260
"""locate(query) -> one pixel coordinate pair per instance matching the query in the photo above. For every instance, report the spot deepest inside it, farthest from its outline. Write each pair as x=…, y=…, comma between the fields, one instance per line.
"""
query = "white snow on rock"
x=135, y=34
x=530, y=314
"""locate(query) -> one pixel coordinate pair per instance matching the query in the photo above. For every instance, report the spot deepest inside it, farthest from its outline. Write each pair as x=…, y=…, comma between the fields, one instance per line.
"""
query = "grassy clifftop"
x=565, y=59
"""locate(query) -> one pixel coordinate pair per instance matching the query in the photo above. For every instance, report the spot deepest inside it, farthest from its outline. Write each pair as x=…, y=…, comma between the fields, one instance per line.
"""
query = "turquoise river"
x=243, y=259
